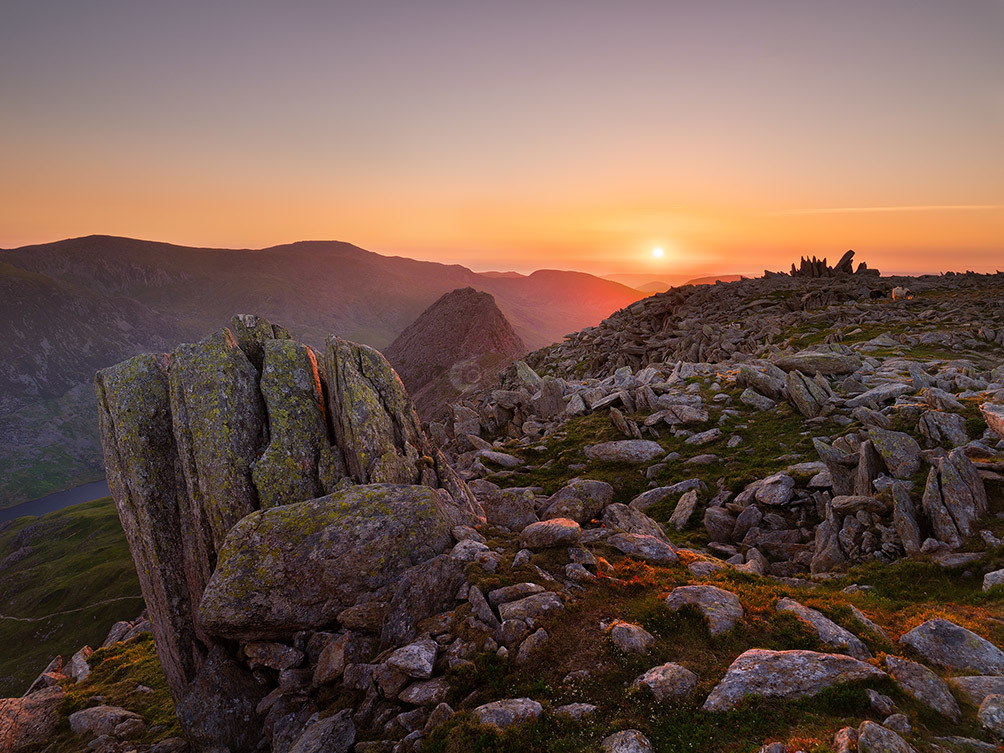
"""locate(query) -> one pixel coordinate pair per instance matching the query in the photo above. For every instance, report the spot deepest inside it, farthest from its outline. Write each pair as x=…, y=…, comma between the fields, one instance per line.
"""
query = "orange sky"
x=580, y=135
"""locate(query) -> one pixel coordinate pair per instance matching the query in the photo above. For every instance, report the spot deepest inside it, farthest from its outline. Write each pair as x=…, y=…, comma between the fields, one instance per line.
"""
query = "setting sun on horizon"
x=525, y=136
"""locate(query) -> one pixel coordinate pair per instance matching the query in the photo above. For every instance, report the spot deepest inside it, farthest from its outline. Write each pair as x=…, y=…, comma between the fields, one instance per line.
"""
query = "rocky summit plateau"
x=761, y=515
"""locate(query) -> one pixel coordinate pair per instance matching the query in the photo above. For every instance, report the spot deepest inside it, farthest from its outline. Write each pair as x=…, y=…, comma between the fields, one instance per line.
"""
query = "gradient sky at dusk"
x=514, y=135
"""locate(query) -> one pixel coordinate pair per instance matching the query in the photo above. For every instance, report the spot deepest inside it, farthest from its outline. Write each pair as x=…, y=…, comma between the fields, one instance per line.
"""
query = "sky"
x=735, y=135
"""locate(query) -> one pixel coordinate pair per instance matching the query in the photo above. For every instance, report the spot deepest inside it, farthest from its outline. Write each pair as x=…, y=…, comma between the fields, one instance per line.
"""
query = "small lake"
x=57, y=501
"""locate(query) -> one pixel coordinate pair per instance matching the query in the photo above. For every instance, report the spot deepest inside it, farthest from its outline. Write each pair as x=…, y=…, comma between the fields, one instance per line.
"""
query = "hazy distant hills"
x=661, y=283
x=73, y=306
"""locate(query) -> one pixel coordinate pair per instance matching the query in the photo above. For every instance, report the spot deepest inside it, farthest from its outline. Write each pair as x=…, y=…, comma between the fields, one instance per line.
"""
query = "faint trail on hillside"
x=68, y=611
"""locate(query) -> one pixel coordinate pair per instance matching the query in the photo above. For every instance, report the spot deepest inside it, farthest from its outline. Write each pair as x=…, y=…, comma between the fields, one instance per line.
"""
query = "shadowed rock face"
x=198, y=440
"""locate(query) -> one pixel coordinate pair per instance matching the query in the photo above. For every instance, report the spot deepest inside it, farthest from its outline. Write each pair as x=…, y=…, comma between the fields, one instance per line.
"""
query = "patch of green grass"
x=128, y=675
x=76, y=581
x=565, y=449
x=116, y=673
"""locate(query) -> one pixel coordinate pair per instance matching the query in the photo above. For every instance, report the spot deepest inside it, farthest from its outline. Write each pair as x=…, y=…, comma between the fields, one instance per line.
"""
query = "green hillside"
x=65, y=579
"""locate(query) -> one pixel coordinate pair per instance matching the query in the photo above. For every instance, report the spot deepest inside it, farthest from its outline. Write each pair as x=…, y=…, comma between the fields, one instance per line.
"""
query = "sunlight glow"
x=657, y=252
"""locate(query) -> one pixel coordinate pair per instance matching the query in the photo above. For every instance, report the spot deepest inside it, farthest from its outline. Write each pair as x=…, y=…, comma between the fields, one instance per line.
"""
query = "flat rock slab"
x=953, y=647
x=874, y=738
x=720, y=608
x=627, y=741
x=625, y=451
x=630, y=638
x=975, y=688
x=828, y=364
x=643, y=547
x=507, y=712
x=785, y=675
x=829, y=632
x=667, y=681
x=513, y=593
x=550, y=533
x=531, y=607
x=878, y=395
x=296, y=566
x=920, y=682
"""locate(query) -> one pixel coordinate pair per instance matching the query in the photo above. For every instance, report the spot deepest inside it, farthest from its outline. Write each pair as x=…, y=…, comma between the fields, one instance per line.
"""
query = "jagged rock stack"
x=266, y=493
x=818, y=268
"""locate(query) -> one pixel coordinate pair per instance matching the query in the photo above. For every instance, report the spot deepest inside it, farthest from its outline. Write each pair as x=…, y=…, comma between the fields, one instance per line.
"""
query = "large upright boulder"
x=220, y=428
x=299, y=462
x=962, y=491
x=141, y=463
x=377, y=428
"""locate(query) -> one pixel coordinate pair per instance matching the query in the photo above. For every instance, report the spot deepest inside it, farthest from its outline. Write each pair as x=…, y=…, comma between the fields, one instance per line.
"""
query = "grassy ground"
x=899, y=601
x=76, y=580
x=125, y=674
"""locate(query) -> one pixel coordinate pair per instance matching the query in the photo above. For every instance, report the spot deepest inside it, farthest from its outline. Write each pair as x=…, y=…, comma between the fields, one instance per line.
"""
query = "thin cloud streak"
x=917, y=208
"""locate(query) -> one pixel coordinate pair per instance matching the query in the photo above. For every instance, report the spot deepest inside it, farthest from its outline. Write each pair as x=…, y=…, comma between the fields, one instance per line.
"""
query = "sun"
x=657, y=252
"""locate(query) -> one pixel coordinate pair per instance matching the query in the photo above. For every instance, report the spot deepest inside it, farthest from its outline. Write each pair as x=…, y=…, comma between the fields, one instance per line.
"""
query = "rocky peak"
x=454, y=346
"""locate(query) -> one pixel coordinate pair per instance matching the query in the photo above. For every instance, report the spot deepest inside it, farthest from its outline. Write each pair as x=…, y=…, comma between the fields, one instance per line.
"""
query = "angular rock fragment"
x=630, y=638
x=623, y=518
x=953, y=647
x=924, y=685
x=627, y=741
x=785, y=674
x=667, y=681
x=875, y=738
x=551, y=533
x=993, y=414
x=720, y=608
x=647, y=548
x=900, y=451
x=507, y=712
x=829, y=632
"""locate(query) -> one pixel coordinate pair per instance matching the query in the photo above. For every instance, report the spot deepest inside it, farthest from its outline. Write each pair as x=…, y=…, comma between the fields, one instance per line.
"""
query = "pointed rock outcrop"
x=196, y=442
x=457, y=345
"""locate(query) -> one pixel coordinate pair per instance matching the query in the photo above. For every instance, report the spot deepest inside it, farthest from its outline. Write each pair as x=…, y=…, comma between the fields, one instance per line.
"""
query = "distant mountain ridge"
x=72, y=306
